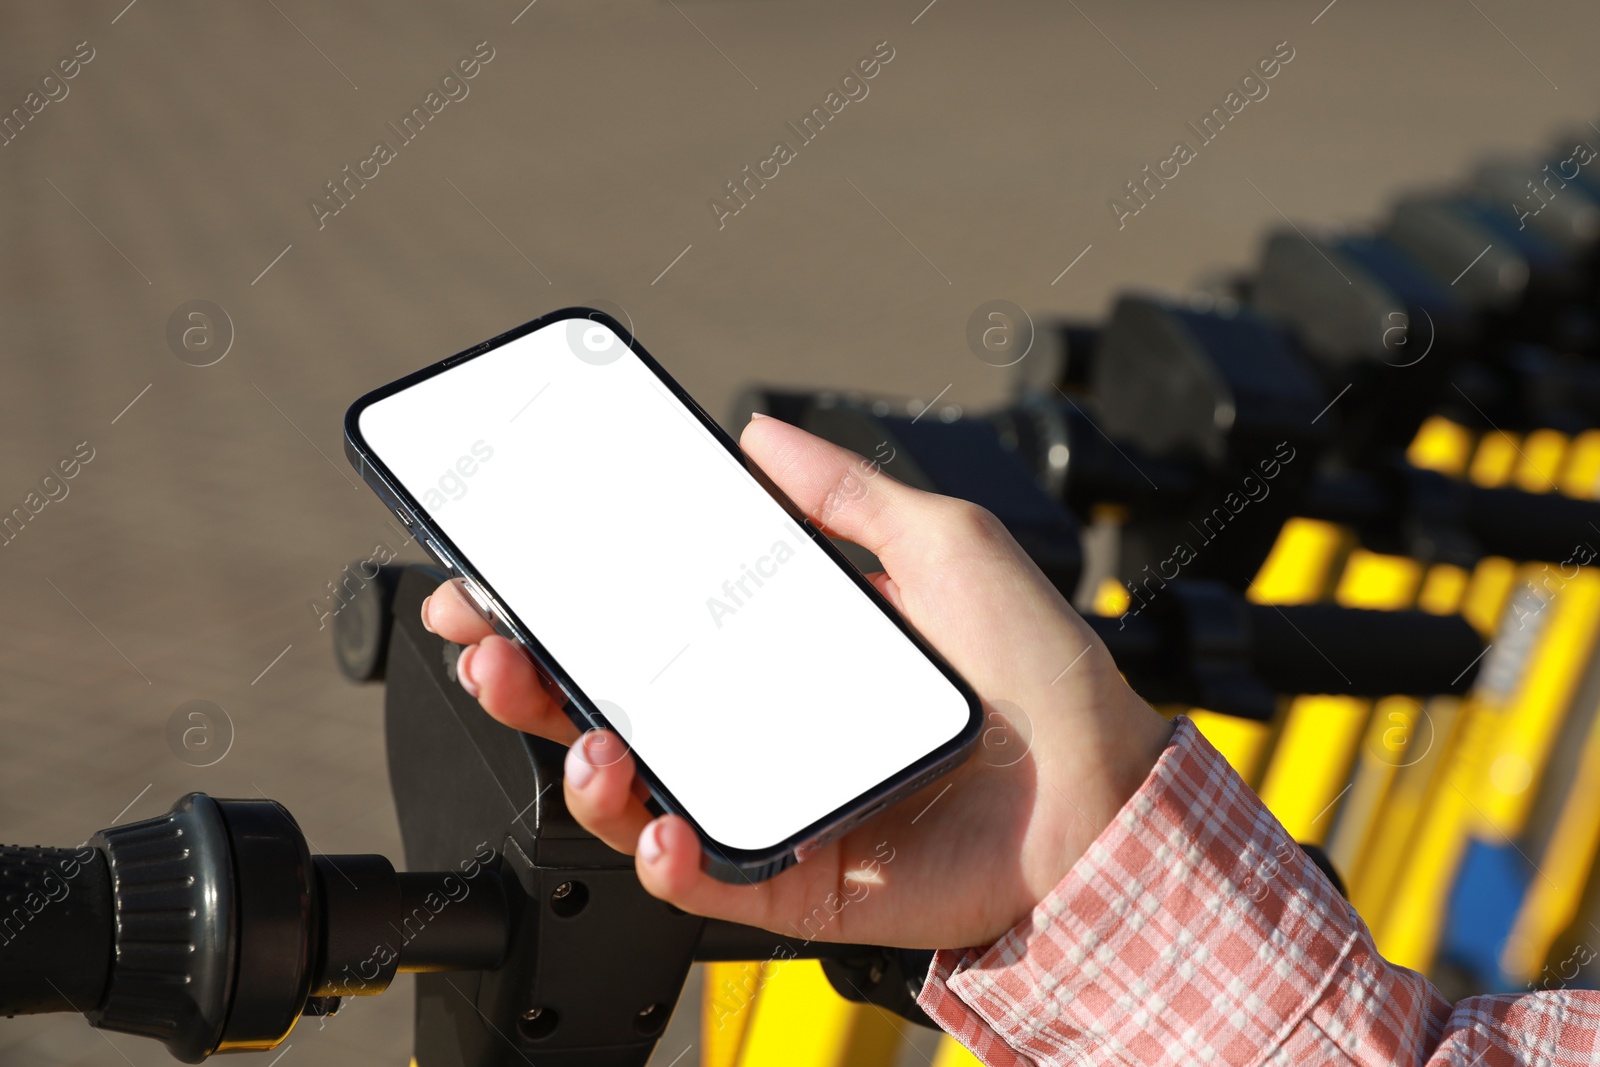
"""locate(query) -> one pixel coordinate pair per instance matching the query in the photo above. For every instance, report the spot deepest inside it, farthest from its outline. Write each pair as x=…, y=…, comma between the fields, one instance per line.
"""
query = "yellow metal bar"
x=726, y=1007
x=1443, y=590
x=1387, y=790
x=1111, y=598
x=1312, y=761
x=1545, y=644
x=799, y=1021
x=1372, y=863
x=1303, y=563
x=1405, y=893
x=1495, y=460
x=1580, y=475
x=1567, y=861
x=953, y=1053
x=1578, y=938
x=1371, y=580
x=1487, y=593
x=1407, y=923
x=1244, y=743
x=1539, y=461
x=1399, y=727
x=1556, y=893
x=1405, y=740
x=1441, y=445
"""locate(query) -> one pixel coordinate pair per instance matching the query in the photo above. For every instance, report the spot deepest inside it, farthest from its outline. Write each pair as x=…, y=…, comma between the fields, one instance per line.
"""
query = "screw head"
x=561, y=891
x=531, y=1014
x=651, y=1019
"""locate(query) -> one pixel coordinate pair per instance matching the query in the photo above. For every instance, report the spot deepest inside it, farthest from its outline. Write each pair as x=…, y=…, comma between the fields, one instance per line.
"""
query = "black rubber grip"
x=1305, y=648
x=1325, y=648
x=1534, y=526
x=55, y=929
x=1138, y=645
x=722, y=941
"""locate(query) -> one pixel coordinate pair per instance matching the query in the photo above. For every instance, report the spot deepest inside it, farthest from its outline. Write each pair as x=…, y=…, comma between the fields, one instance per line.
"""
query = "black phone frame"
x=725, y=863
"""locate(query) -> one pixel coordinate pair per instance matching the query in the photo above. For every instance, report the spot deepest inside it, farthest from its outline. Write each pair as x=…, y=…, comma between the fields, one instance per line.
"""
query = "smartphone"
x=600, y=518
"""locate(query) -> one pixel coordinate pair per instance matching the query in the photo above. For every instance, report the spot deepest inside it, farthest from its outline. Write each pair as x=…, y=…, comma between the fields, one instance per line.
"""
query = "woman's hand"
x=959, y=863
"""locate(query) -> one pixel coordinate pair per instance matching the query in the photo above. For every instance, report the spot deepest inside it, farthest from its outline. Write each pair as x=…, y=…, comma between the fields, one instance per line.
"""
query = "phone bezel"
x=727, y=862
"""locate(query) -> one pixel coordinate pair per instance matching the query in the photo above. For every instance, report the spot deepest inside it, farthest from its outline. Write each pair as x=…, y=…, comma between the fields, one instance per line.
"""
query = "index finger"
x=499, y=673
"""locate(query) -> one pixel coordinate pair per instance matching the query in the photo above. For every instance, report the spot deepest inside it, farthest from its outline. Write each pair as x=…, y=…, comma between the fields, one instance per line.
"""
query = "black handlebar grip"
x=1533, y=526
x=55, y=929
x=1325, y=648
x=1136, y=643
x=1294, y=649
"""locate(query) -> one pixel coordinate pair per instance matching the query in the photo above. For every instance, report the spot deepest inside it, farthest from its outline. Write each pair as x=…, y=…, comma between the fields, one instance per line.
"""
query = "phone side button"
x=479, y=600
x=441, y=556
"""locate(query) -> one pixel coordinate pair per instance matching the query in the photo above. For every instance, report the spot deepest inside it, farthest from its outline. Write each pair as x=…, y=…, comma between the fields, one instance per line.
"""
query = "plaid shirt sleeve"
x=1195, y=931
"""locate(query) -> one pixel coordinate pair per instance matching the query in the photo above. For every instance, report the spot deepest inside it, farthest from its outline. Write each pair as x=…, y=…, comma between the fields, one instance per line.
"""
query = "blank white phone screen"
x=744, y=667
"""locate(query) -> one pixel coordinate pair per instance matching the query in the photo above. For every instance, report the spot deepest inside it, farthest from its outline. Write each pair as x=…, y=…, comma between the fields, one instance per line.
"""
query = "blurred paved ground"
x=179, y=167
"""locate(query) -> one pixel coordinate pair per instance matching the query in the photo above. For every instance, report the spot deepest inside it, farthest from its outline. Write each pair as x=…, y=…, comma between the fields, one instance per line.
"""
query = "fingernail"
x=579, y=769
x=426, y=625
x=464, y=670
x=650, y=842
x=754, y=415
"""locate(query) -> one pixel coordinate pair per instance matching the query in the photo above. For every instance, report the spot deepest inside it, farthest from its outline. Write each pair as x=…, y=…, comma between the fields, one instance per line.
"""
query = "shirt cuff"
x=1193, y=930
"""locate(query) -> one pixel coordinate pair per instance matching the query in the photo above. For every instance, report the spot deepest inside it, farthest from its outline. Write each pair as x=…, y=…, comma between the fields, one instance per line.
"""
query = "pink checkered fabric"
x=1195, y=931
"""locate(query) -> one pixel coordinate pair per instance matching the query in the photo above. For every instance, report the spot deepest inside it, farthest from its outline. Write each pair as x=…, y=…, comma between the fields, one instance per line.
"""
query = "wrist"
x=1127, y=754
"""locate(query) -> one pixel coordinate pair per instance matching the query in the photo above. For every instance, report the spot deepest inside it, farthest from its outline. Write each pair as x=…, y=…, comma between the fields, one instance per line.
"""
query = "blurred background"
x=212, y=505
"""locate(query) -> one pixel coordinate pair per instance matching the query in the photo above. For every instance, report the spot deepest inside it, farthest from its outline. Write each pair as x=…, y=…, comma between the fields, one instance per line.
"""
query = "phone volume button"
x=479, y=599
x=442, y=556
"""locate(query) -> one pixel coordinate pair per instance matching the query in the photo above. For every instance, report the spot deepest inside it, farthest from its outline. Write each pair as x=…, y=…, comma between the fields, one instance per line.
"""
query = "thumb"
x=839, y=491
